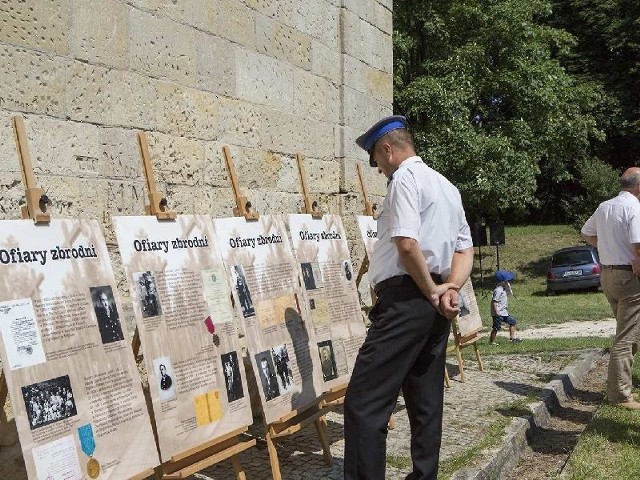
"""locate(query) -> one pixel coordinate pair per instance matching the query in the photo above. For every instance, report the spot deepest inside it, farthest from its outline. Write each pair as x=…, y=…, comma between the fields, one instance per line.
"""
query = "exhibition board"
x=181, y=303
x=330, y=293
x=264, y=280
x=73, y=382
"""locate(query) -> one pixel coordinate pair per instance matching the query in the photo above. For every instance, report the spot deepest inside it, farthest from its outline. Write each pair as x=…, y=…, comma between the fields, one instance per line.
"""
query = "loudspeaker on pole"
x=496, y=232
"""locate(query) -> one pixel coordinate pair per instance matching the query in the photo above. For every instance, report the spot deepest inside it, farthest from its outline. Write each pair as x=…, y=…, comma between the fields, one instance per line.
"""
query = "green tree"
x=489, y=103
x=608, y=51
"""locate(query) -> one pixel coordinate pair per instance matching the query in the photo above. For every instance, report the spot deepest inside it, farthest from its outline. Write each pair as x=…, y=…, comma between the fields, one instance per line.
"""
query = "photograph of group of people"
x=107, y=316
x=49, y=401
x=274, y=368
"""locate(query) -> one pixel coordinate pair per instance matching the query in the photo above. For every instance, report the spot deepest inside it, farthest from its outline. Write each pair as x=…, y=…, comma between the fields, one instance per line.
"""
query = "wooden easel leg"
x=460, y=366
x=273, y=457
x=237, y=468
x=391, y=424
x=321, y=428
x=135, y=343
x=4, y=390
x=480, y=366
x=447, y=383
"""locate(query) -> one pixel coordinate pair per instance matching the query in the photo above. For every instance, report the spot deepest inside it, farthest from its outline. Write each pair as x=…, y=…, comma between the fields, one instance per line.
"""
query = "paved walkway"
x=470, y=410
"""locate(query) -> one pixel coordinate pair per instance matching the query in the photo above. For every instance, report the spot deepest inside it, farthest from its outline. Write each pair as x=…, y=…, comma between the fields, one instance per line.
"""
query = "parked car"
x=574, y=268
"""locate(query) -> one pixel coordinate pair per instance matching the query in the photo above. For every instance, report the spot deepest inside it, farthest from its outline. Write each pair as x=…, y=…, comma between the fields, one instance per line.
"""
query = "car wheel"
x=549, y=293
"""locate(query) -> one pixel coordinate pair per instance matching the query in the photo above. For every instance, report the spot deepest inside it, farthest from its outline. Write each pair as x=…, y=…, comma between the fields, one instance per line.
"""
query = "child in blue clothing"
x=499, y=304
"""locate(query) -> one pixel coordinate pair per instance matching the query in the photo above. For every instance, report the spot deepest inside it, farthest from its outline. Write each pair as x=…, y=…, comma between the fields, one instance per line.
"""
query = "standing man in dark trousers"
x=423, y=241
x=615, y=229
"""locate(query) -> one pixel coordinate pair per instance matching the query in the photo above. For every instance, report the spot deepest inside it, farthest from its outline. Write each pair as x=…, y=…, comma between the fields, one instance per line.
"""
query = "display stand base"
x=293, y=423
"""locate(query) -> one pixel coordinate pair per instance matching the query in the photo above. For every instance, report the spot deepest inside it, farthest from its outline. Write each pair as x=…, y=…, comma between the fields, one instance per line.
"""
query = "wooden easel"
x=35, y=209
x=227, y=446
x=315, y=411
x=460, y=342
x=36, y=204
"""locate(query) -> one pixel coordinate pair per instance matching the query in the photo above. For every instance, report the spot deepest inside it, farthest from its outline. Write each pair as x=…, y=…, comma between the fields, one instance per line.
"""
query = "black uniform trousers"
x=405, y=348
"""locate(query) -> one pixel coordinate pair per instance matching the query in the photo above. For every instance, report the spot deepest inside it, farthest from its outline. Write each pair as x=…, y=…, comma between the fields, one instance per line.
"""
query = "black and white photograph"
x=242, y=288
x=463, y=304
x=232, y=380
x=106, y=312
x=165, y=378
x=348, y=272
x=283, y=367
x=267, y=374
x=311, y=275
x=312, y=304
x=49, y=401
x=146, y=286
x=327, y=360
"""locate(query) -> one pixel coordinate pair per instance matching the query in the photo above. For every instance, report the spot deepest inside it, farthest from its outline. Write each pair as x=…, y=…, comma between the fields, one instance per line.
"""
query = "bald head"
x=630, y=179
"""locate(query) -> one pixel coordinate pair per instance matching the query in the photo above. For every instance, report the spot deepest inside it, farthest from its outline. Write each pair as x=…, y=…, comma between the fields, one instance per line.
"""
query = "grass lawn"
x=610, y=446
x=528, y=252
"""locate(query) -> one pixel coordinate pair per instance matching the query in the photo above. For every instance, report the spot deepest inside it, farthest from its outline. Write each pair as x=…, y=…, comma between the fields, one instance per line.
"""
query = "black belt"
x=399, y=280
x=619, y=267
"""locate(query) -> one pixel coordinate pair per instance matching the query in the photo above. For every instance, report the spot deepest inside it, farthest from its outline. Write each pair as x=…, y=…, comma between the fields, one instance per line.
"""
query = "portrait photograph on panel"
x=311, y=275
x=231, y=370
x=49, y=401
x=147, y=288
x=267, y=373
x=242, y=288
x=165, y=378
x=106, y=312
x=283, y=367
x=347, y=270
x=327, y=360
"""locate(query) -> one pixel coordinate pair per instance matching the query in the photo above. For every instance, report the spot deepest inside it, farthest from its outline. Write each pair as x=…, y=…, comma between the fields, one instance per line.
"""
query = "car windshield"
x=572, y=257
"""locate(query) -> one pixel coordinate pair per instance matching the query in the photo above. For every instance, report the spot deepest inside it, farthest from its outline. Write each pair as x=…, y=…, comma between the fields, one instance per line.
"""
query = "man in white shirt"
x=614, y=229
x=423, y=240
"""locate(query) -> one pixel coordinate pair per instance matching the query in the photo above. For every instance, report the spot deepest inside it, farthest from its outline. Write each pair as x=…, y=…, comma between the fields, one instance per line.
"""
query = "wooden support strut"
x=157, y=201
x=464, y=341
x=243, y=205
x=310, y=207
x=369, y=208
x=36, y=198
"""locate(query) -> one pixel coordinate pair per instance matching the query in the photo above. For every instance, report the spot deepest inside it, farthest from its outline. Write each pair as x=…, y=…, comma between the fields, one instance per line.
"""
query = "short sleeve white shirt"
x=423, y=205
x=501, y=301
x=616, y=223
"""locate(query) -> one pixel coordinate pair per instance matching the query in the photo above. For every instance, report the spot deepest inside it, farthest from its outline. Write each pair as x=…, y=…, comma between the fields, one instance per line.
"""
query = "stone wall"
x=269, y=78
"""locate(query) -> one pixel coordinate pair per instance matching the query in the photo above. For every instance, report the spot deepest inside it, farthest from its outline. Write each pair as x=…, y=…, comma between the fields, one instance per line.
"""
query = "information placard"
x=74, y=384
x=181, y=301
x=330, y=293
x=265, y=285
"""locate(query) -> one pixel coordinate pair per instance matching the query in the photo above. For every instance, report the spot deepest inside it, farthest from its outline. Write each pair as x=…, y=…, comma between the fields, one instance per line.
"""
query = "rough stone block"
x=214, y=166
x=176, y=160
x=284, y=11
x=315, y=97
x=32, y=82
x=376, y=183
x=289, y=133
x=110, y=97
x=375, y=13
x=121, y=154
x=42, y=25
x=235, y=22
x=99, y=31
x=162, y=48
x=201, y=14
x=9, y=161
x=320, y=20
x=326, y=62
x=283, y=42
x=368, y=80
x=262, y=79
x=242, y=123
x=186, y=111
x=216, y=64
x=12, y=194
x=199, y=200
x=366, y=42
x=323, y=176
